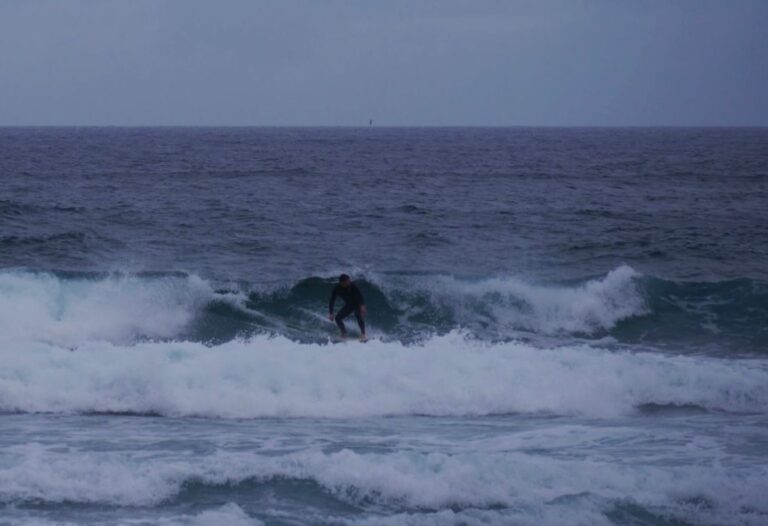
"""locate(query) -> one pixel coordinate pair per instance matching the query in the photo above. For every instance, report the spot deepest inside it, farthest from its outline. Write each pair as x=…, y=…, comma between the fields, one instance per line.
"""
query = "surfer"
x=353, y=302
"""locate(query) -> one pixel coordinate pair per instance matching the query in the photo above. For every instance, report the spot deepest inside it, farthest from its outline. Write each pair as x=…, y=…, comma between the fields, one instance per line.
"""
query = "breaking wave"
x=70, y=309
x=176, y=344
x=497, y=486
x=444, y=375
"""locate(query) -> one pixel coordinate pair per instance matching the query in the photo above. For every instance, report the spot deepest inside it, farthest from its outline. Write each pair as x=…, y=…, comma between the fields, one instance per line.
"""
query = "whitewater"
x=116, y=344
x=446, y=375
x=531, y=430
x=552, y=341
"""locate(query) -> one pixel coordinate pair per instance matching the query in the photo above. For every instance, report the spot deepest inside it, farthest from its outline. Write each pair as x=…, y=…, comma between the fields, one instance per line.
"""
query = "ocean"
x=569, y=326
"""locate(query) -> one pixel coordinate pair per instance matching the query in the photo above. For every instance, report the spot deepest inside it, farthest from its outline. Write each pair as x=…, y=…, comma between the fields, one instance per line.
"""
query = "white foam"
x=513, y=303
x=404, y=481
x=445, y=375
x=124, y=308
x=229, y=514
x=576, y=514
x=118, y=309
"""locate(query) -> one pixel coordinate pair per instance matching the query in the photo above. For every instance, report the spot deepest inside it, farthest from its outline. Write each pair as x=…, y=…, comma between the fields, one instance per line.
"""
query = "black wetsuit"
x=353, y=301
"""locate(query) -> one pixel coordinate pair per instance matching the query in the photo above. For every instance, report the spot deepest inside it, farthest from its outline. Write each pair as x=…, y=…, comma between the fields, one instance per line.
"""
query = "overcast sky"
x=416, y=62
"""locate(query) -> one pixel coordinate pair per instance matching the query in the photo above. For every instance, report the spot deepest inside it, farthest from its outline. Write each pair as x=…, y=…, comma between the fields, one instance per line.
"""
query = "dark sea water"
x=570, y=326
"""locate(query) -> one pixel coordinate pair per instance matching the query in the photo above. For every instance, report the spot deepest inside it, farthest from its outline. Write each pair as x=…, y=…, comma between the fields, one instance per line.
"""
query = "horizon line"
x=384, y=126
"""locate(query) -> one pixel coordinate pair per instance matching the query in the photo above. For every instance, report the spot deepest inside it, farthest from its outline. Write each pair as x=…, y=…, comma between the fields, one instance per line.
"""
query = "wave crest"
x=118, y=308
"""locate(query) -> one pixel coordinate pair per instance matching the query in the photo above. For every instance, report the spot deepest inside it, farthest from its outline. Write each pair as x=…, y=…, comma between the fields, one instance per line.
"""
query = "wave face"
x=70, y=309
x=176, y=345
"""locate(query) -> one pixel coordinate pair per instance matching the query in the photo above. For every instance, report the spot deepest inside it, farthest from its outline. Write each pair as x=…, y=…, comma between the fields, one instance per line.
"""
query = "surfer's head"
x=344, y=280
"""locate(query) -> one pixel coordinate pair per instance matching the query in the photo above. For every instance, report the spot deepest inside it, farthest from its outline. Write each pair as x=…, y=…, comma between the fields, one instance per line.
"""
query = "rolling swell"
x=70, y=308
x=719, y=317
x=728, y=315
x=408, y=307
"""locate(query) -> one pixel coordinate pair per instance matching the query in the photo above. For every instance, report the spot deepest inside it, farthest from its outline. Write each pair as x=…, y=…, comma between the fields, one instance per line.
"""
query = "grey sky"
x=418, y=62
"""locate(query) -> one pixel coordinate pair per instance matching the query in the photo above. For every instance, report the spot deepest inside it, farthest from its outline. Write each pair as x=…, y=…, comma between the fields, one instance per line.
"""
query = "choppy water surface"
x=570, y=326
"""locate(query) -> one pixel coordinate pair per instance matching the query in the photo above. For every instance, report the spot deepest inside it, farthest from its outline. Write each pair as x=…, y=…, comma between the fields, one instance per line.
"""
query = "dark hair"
x=343, y=278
